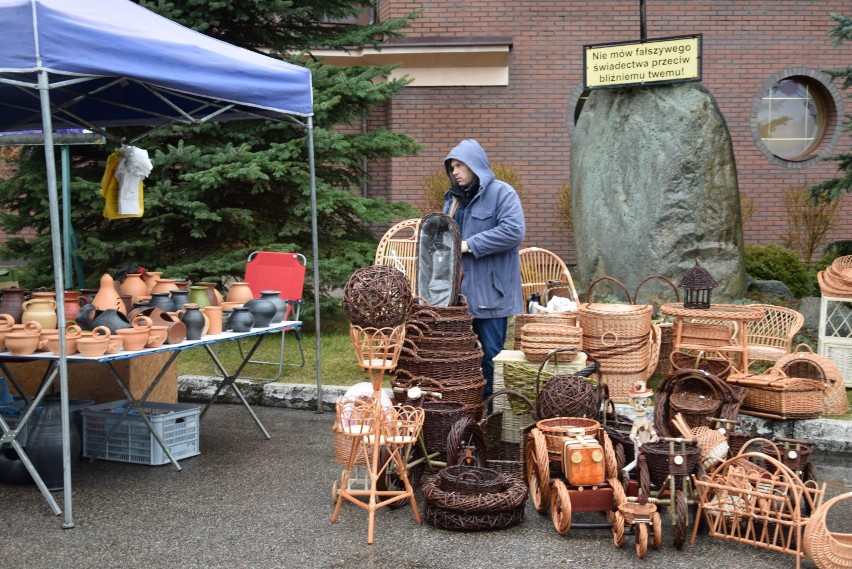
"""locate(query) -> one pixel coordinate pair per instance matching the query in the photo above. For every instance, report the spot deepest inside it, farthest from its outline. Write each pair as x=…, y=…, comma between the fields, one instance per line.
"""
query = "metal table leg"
x=229, y=380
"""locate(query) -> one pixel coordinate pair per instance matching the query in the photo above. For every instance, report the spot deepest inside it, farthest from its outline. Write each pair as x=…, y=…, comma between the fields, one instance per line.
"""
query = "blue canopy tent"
x=105, y=63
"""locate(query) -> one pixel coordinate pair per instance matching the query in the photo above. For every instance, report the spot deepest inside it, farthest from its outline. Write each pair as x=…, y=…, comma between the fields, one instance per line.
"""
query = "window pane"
x=790, y=119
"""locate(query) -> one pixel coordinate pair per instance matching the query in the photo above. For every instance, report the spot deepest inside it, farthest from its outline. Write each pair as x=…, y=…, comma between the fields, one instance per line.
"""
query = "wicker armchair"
x=771, y=337
x=398, y=248
x=538, y=266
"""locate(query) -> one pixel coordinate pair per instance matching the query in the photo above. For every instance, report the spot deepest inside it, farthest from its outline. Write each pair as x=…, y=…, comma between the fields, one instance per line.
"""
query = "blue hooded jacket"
x=493, y=226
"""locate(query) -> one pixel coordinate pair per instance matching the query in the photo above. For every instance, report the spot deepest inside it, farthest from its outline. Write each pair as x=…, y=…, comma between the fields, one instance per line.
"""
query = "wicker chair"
x=538, y=266
x=398, y=248
x=771, y=337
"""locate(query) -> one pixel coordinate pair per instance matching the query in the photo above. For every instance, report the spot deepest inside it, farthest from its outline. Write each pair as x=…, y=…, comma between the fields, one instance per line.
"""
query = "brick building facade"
x=510, y=74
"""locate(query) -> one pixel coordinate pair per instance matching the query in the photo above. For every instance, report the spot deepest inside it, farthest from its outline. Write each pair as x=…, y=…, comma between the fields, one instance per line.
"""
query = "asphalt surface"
x=250, y=502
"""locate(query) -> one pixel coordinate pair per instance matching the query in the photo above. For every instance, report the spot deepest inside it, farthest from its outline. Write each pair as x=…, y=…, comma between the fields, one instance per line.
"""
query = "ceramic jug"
x=150, y=279
x=71, y=304
x=42, y=310
x=214, y=316
x=162, y=300
x=180, y=297
x=212, y=293
x=195, y=321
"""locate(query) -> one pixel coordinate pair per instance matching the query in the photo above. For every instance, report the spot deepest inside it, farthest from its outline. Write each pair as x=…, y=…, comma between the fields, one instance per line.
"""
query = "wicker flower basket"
x=558, y=429
x=827, y=549
x=559, y=318
x=538, y=340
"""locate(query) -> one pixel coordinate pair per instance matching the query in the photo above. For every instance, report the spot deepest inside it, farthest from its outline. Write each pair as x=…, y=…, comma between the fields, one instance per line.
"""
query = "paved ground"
x=249, y=502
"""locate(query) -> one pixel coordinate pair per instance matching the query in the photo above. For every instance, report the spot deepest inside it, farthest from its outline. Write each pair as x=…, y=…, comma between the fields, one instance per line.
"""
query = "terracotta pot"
x=163, y=285
x=42, y=310
x=71, y=304
x=157, y=336
x=239, y=292
x=134, y=338
x=72, y=332
x=176, y=328
x=151, y=279
x=22, y=343
x=213, y=294
x=214, y=316
x=108, y=297
x=52, y=344
x=134, y=286
x=115, y=344
x=6, y=323
x=95, y=345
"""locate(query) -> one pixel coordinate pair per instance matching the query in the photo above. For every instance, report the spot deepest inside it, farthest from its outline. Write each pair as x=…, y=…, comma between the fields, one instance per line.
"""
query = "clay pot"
x=176, y=328
x=239, y=292
x=198, y=295
x=42, y=310
x=263, y=311
x=157, y=336
x=241, y=319
x=162, y=300
x=115, y=343
x=182, y=284
x=24, y=341
x=274, y=296
x=95, y=345
x=213, y=294
x=195, y=321
x=134, y=338
x=180, y=297
x=52, y=343
x=214, y=316
x=151, y=279
x=163, y=285
x=108, y=297
x=134, y=286
x=50, y=339
x=12, y=303
x=71, y=304
x=6, y=323
x=230, y=305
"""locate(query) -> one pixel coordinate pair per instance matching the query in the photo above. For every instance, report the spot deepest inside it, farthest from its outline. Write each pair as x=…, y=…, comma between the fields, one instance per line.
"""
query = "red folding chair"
x=284, y=272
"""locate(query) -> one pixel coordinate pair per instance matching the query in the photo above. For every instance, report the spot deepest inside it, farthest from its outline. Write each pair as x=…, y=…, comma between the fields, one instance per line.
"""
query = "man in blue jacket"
x=491, y=222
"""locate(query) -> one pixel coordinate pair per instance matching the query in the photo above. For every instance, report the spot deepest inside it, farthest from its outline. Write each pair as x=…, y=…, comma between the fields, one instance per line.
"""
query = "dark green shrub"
x=773, y=262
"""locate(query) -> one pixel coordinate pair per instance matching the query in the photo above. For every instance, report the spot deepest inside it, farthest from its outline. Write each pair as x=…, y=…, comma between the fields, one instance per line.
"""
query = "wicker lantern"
x=377, y=296
x=697, y=284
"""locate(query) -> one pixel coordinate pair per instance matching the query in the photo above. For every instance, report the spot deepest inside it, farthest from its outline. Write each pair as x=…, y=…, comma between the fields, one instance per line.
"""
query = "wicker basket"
x=568, y=395
x=539, y=339
x=717, y=365
x=802, y=362
x=470, y=480
x=460, y=521
x=558, y=429
x=440, y=416
x=661, y=463
x=560, y=318
x=696, y=398
x=513, y=493
x=706, y=334
x=827, y=549
x=774, y=395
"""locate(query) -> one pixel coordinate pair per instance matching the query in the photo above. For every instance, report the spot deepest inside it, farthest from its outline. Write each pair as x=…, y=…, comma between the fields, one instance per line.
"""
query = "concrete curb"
x=830, y=435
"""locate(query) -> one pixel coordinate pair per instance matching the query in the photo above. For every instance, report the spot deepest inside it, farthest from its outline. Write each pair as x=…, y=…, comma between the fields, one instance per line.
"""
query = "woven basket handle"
x=509, y=393
x=705, y=380
x=468, y=473
x=605, y=278
x=652, y=277
x=753, y=442
x=544, y=363
x=804, y=348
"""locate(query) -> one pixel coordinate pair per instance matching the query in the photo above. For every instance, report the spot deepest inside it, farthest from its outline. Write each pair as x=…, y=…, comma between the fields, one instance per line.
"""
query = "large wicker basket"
x=827, y=549
x=803, y=362
x=775, y=396
x=560, y=318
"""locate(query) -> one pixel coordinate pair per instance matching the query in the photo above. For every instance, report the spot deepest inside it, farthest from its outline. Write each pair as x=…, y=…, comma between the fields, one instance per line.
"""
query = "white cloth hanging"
x=133, y=167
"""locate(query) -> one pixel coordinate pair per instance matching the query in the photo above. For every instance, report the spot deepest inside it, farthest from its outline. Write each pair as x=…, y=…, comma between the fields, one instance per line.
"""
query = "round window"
x=792, y=117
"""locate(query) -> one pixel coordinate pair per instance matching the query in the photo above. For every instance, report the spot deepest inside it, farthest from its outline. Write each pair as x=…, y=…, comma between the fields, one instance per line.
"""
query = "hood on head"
x=473, y=155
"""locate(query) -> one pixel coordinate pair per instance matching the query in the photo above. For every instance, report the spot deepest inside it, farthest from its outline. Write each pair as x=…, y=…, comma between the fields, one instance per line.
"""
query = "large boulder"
x=654, y=187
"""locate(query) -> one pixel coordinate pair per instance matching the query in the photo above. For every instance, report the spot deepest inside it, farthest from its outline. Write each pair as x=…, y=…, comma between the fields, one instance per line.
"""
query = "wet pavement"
x=250, y=502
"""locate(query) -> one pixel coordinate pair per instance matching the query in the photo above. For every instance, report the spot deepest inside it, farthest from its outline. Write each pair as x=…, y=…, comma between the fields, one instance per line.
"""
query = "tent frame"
x=216, y=109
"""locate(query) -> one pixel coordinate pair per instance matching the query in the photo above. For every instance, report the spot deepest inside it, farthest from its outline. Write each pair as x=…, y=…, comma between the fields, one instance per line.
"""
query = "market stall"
x=96, y=64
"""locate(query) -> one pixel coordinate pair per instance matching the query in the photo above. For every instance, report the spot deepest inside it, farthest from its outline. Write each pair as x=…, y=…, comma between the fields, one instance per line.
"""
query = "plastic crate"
x=177, y=424
x=12, y=415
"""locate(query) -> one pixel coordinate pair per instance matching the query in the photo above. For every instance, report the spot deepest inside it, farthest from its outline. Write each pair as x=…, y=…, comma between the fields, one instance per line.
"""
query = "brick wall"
x=528, y=123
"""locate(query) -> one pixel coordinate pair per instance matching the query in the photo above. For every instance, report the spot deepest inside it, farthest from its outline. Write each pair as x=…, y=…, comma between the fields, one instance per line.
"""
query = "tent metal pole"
x=315, y=242
x=56, y=231
x=65, y=149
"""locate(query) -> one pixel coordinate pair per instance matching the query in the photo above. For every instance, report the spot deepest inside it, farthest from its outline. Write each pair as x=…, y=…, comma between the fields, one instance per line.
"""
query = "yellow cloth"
x=109, y=190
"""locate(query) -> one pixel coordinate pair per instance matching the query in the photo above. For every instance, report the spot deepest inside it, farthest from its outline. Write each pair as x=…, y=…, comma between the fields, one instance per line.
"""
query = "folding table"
x=9, y=435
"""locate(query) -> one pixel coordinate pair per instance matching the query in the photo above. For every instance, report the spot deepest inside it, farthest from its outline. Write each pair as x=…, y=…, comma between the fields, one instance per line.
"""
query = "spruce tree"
x=221, y=190
x=834, y=188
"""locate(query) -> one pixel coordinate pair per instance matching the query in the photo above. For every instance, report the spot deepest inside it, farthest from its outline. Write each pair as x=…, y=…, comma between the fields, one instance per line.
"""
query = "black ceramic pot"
x=90, y=318
x=162, y=300
x=241, y=319
x=194, y=321
x=263, y=311
x=179, y=298
x=274, y=296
